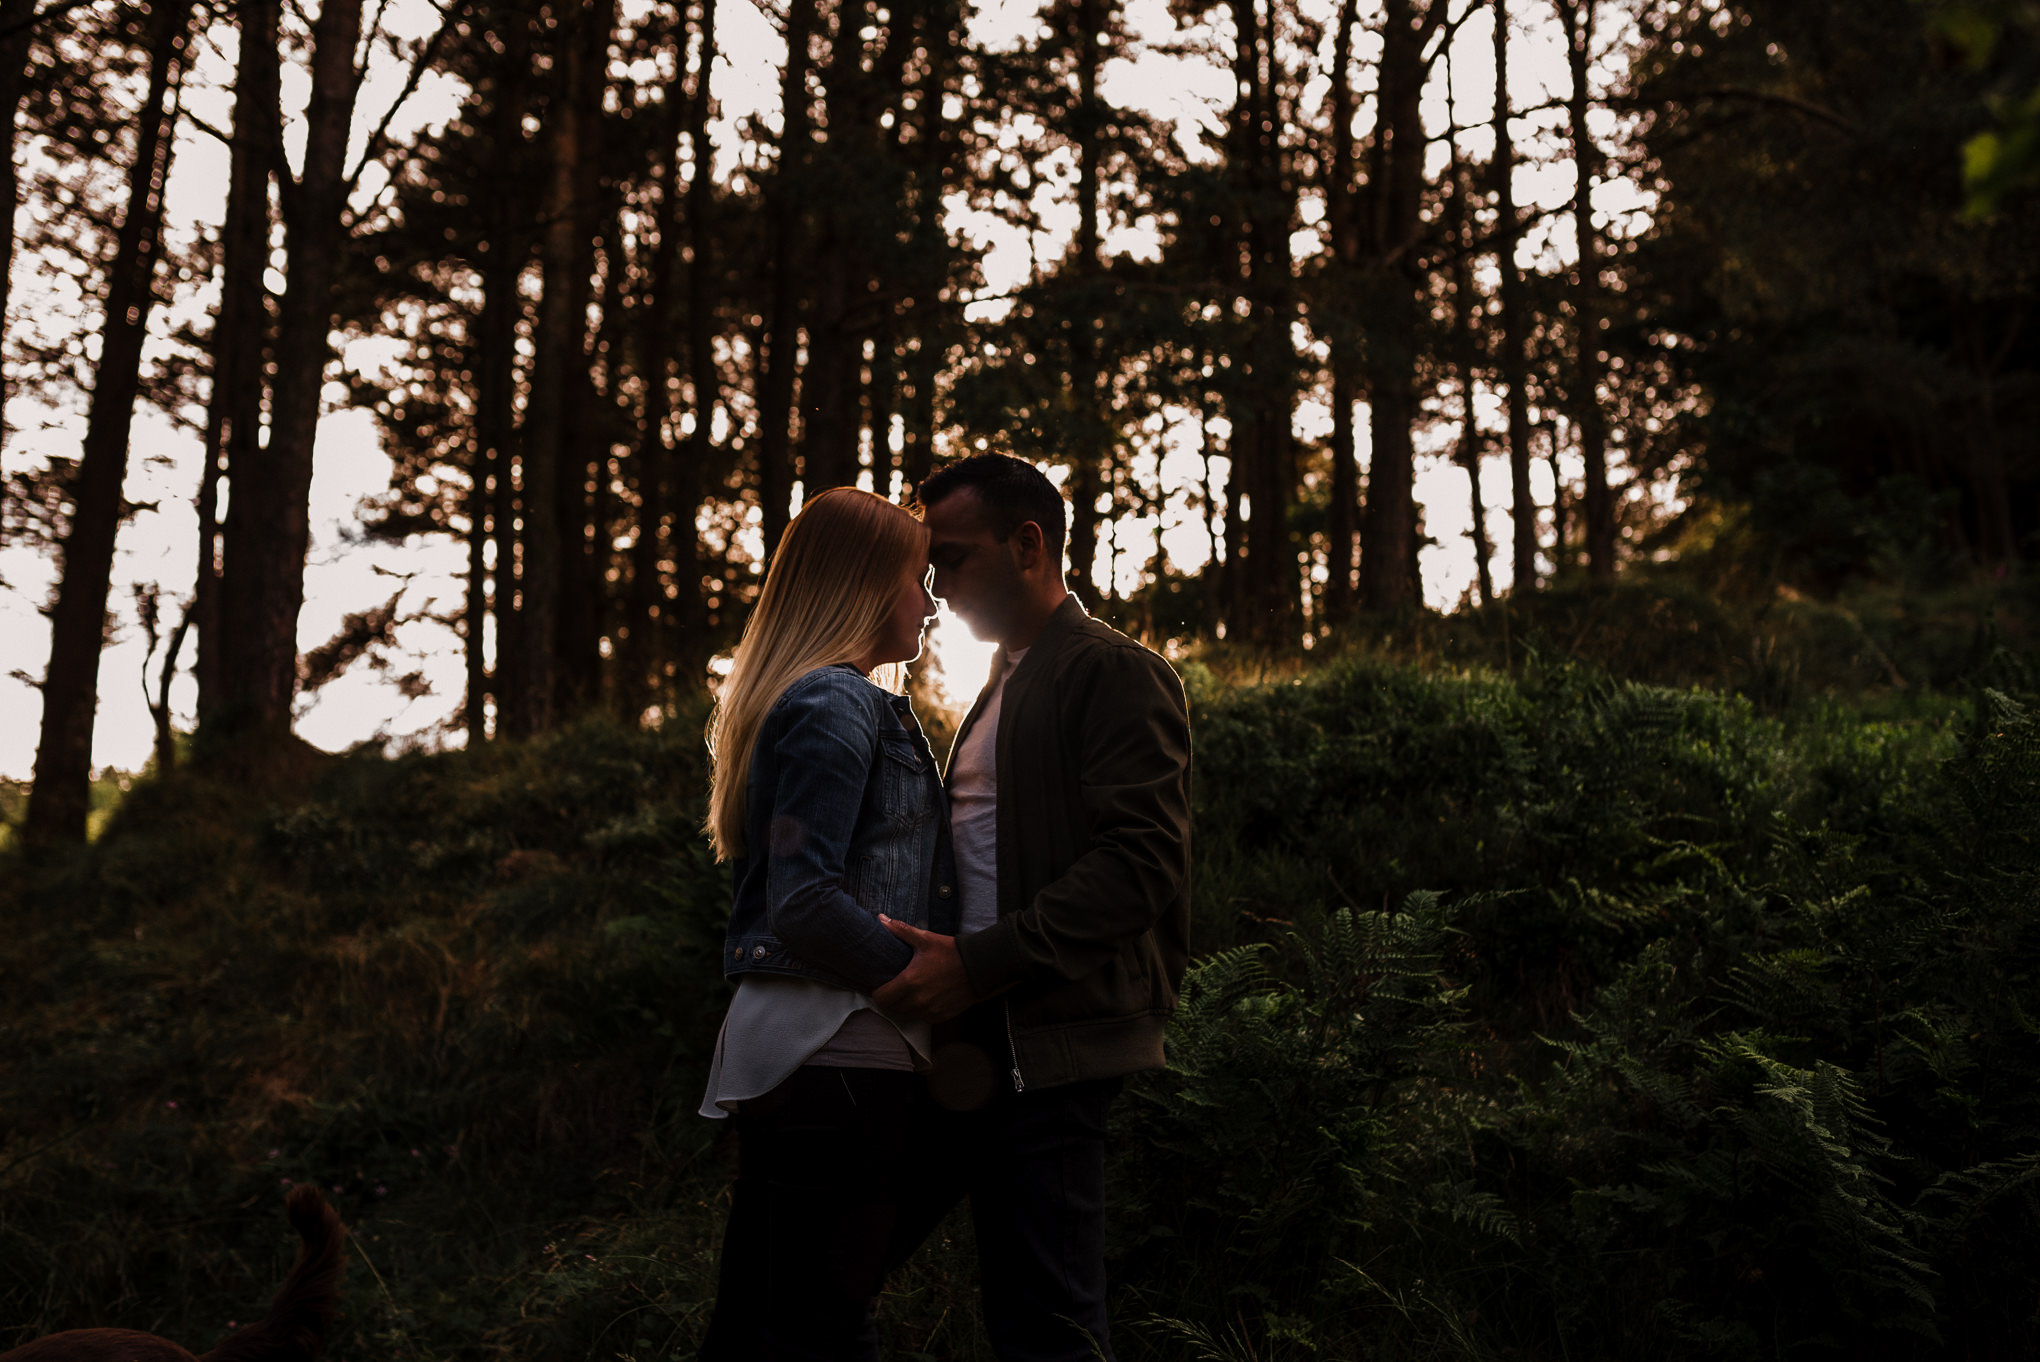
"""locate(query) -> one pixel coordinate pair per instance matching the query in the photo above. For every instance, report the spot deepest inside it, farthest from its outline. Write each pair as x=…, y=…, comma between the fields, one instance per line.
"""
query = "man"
x=1069, y=789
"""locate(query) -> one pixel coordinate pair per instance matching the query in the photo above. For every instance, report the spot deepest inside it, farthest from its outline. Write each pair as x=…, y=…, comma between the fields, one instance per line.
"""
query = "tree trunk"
x=269, y=520
x=917, y=411
x=685, y=610
x=639, y=659
x=1513, y=366
x=489, y=471
x=591, y=424
x=509, y=251
x=1469, y=457
x=17, y=20
x=1465, y=345
x=883, y=375
x=828, y=390
x=1388, y=578
x=1214, y=565
x=590, y=418
x=1577, y=17
x=491, y=498
x=1230, y=592
x=881, y=402
x=1342, y=520
x=1267, y=584
x=930, y=331
x=159, y=705
x=782, y=345
x=1388, y=532
x=1559, y=560
x=554, y=477
x=240, y=340
x=61, y=796
x=1087, y=365
x=832, y=390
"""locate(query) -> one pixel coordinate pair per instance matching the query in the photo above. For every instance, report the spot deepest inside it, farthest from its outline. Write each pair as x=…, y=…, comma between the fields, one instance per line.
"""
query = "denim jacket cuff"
x=869, y=974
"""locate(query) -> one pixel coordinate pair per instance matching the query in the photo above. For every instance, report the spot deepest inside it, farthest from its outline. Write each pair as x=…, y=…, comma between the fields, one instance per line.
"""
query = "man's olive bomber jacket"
x=1092, y=937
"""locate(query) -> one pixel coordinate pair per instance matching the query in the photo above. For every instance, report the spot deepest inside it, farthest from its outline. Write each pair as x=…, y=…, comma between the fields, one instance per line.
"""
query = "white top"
x=777, y=1023
x=974, y=810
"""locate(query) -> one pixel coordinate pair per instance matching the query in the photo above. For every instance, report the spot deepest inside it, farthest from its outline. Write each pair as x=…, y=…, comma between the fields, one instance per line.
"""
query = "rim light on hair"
x=826, y=597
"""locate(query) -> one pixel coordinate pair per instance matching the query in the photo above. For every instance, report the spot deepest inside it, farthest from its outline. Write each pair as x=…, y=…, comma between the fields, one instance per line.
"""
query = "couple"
x=940, y=981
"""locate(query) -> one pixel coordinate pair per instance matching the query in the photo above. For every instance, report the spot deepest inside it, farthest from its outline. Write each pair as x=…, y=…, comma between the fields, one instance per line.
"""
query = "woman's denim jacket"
x=844, y=819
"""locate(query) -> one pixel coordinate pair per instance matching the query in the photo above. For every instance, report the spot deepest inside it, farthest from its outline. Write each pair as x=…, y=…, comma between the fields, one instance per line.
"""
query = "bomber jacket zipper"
x=1019, y=1083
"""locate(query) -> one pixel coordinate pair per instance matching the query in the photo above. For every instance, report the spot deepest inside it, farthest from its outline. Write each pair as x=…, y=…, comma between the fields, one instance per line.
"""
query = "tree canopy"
x=1635, y=268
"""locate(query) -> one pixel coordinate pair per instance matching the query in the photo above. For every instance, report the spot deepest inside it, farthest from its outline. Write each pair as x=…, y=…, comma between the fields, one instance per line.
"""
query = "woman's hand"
x=933, y=987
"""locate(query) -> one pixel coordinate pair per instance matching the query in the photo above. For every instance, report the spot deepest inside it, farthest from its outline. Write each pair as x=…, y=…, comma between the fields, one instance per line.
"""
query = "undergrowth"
x=1544, y=1017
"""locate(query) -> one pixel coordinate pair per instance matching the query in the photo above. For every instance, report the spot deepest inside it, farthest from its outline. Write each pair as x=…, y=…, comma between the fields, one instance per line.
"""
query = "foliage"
x=1998, y=37
x=1720, y=1057
x=1860, y=348
x=1539, y=1017
x=448, y=988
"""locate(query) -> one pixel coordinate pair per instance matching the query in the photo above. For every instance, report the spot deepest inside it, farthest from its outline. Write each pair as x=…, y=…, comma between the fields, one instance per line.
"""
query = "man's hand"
x=933, y=987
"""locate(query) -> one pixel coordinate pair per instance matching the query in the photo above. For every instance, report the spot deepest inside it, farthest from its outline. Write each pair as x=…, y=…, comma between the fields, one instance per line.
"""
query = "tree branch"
x=55, y=11
x=377, y=140
x=1448, y=31
x=1806, y=107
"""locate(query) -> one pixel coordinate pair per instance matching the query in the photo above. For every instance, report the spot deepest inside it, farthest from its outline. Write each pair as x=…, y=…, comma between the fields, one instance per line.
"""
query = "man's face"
x=976, y=573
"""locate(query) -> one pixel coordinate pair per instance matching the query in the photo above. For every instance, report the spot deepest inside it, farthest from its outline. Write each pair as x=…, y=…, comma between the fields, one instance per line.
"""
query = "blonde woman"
x=827, y=803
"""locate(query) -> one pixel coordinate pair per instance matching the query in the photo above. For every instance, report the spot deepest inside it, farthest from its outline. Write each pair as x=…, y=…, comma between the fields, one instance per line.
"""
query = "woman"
x=826, y=800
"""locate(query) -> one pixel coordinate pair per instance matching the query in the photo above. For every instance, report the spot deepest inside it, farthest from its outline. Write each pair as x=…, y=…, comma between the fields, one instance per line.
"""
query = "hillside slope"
x=1545, y=1017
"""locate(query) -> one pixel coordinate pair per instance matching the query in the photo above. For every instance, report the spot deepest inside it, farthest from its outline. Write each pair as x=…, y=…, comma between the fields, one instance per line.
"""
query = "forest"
x=1583, y=457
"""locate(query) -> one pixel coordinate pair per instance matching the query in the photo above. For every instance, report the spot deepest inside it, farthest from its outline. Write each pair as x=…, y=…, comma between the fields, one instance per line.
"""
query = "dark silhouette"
x=293, y=1331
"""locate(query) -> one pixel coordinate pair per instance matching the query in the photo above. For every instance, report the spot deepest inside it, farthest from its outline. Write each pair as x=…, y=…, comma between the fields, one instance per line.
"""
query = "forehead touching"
x=960, y=518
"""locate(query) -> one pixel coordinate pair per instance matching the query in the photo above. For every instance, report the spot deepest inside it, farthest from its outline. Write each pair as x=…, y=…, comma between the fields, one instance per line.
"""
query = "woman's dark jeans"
x=818, y=1192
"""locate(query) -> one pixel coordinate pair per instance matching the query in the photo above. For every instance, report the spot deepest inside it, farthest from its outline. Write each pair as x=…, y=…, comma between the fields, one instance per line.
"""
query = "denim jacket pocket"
x=904, y=772
x=869, y=881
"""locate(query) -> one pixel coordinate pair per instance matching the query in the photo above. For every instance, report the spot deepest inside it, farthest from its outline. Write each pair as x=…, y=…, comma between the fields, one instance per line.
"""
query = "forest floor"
x=1632, y=975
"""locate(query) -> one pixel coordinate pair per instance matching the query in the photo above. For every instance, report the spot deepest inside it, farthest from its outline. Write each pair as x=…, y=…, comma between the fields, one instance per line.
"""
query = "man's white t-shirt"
x=974, y=810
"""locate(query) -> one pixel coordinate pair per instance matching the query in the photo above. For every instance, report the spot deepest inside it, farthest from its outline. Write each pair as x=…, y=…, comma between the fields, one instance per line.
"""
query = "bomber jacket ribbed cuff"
x=993, y=958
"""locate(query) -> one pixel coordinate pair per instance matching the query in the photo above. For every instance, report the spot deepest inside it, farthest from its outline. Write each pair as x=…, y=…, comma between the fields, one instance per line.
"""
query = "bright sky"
x=346, y=574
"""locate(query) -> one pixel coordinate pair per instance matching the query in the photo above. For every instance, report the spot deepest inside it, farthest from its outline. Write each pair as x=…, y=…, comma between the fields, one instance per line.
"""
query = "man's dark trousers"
x=1032, y=1164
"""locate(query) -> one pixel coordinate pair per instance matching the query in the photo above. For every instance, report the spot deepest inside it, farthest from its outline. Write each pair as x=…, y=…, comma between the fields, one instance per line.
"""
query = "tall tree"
x=686, y=615
x=240, y=335
x=653, y=460
x=268, y=527
x=1863, y=353
x=1340, y=325
x=1263, y=417
x=553, y=486
x=493, y=510
x=1512, y=366
x=1394, y=204
x=841, y=169
x=931, y=145
x=782, y=340
x=17, y=36
x=1465, y=345
x=60, y=798
x=511, y=227
x=1087, y=22
x=1578, y=20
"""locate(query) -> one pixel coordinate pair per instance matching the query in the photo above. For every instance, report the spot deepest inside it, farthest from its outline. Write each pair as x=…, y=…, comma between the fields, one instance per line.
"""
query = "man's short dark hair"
x=1012, y=491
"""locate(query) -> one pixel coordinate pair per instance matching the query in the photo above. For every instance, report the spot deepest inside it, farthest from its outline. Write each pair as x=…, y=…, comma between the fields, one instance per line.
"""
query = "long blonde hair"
x=827, y=593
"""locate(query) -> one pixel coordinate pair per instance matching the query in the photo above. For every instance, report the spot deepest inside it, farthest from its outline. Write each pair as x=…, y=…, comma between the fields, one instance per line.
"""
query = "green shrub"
x=1790, y=1109
x=1545, y=1017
